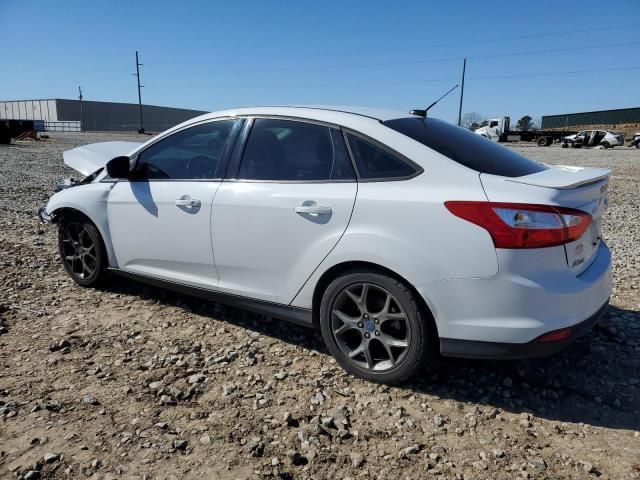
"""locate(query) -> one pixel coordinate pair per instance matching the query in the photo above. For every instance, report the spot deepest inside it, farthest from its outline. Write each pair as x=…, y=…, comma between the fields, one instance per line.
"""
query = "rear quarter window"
x=465, y=147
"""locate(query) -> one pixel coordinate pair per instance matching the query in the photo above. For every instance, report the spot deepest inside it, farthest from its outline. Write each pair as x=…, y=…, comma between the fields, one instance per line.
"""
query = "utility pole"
x=81, y=110
x=464, y=67
x=137, y=74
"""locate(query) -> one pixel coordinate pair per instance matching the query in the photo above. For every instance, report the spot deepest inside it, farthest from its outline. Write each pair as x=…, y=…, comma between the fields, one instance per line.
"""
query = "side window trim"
x=224, y=156
x=418, y=170
x=238, y=150
x=243, y=137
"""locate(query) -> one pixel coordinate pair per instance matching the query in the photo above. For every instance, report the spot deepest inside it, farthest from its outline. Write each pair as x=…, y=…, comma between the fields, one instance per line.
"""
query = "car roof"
x=337, y=114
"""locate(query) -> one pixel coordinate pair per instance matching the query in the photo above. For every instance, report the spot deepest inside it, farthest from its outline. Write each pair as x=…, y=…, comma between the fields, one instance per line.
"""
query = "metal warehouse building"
x=65, y=115
x=621, y=118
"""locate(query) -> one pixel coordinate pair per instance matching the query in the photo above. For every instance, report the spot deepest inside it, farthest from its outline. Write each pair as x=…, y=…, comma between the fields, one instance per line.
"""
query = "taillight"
x=521, y=225
x=556, y=335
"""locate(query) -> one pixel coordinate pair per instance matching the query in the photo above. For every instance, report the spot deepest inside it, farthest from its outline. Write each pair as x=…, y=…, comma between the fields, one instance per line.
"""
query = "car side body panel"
x=264, y=248
x=90, y=200
x=390, y=216
x=154, y=235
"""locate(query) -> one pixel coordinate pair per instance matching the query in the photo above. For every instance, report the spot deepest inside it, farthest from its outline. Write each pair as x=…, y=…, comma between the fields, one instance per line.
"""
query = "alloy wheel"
x=370, y=327
x=79, y=250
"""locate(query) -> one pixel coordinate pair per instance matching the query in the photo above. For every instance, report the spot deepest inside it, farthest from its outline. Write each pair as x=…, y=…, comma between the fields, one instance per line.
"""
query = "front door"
x=287, y=207
x=160, y=222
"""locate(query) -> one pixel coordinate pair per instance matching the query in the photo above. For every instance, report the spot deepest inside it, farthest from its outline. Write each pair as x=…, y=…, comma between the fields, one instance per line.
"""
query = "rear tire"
x=82, y=251
x=373, y=326
x=542, y=142
x=606, y=145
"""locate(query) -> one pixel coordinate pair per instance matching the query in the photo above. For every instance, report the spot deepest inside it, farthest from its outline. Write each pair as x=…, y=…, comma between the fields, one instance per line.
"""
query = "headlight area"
x=44, y=216
x=70, y=182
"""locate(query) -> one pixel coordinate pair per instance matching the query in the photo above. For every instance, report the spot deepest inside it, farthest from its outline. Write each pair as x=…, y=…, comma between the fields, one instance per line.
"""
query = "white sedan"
x=395, y=234
x=593, y=138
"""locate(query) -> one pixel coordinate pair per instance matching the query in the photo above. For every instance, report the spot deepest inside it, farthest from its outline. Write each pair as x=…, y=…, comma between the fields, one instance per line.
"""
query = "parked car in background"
x=593, y=138
x=395, y=235
x=635, y=142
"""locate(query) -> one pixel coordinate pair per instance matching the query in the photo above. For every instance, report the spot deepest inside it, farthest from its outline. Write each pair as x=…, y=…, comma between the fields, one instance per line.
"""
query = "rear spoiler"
x=563, y=177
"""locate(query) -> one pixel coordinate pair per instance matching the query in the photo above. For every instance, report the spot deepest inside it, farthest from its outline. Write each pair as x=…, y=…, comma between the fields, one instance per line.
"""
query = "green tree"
x=525, y=123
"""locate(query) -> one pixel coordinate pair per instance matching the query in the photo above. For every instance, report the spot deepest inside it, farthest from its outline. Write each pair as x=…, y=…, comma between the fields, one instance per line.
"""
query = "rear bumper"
x=452, y=347
x=535, y=293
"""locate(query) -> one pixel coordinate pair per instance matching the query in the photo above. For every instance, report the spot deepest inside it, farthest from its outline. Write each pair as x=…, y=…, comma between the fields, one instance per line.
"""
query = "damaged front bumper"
x=44, y=216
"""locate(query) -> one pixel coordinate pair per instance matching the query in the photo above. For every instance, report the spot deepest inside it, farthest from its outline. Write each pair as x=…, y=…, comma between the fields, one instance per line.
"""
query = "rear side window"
x=374, y=162
x=466, y=147
x=294, y=151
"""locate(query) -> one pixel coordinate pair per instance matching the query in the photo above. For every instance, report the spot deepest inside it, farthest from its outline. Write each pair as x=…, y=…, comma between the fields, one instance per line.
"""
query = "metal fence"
x=67, y=126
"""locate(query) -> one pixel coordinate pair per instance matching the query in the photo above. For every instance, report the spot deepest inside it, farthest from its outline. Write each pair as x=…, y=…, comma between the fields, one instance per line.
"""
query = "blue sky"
x=210, y=55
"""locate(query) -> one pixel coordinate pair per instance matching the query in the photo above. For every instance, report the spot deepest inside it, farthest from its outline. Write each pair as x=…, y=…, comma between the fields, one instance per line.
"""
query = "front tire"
x=82, y=251
x=373, y=326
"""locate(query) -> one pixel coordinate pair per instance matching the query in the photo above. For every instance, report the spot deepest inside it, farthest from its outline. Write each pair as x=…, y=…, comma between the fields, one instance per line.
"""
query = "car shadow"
x=595, y=381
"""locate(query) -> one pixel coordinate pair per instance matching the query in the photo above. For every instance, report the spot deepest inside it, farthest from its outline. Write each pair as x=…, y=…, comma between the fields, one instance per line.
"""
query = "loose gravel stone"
x=357, y=459
x=89, y=399
x=51, y=457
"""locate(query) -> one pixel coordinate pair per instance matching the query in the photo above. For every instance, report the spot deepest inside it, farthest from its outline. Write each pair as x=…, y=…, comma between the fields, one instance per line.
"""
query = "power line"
x=423, y=61
x=422, y=47
x=449, y=79
x=549, y=74
x=554, y=50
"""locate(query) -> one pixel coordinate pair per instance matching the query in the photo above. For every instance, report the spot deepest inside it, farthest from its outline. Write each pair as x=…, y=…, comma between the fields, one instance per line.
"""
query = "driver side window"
x=189, y=154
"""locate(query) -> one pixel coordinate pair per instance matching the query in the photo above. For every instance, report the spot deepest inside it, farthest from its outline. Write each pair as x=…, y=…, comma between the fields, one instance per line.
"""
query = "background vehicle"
x=635, y=142
x=498, y=130
x=392, y=234
x=593, y=138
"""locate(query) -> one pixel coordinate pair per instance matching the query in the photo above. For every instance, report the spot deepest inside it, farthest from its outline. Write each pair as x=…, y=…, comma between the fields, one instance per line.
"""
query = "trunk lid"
x=563, y=177
x=584, y=189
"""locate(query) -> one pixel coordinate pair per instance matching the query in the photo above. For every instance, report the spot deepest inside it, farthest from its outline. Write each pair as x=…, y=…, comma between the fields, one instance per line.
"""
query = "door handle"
x=313, y=209
x=187, y=201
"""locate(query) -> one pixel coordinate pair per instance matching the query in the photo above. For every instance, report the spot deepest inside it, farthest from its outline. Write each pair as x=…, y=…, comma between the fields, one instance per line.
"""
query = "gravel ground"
x=136, y=382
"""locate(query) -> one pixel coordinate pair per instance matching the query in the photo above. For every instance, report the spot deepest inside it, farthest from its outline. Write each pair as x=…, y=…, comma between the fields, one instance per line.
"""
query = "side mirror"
x=118, y=168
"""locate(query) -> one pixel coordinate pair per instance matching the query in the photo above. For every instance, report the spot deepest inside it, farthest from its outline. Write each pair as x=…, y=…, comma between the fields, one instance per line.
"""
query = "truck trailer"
x=498, y=130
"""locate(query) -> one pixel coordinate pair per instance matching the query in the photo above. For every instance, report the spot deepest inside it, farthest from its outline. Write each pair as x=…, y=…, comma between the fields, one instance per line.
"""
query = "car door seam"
x=213, y=251
x=353, y=207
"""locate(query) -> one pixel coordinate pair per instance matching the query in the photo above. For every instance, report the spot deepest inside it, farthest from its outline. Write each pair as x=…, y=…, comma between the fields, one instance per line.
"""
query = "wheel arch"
x=60, y=210
x=336, y=270
x=60, y=213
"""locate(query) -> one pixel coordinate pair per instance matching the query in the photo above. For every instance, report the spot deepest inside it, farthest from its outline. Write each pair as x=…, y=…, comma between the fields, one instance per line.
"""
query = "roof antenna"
x=423, y=113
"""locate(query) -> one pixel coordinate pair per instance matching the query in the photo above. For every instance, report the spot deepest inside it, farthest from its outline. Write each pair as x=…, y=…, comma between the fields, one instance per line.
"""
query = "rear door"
x=286, y=204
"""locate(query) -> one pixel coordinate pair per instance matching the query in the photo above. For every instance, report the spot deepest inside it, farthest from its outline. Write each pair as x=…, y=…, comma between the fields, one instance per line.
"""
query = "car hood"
x=89, y=158
x=572, y=137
